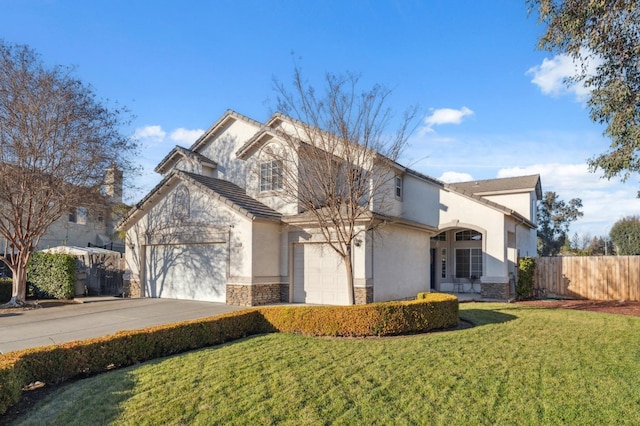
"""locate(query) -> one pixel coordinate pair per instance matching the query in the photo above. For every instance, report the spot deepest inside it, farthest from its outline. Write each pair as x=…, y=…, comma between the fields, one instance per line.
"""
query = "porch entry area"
x=457, y=261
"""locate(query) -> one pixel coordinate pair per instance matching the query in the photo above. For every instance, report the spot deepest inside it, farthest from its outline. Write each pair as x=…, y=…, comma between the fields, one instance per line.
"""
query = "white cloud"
x=455, y=177
x=552, y=74
x=447, y=116
x=186, y=136
x=150, y=134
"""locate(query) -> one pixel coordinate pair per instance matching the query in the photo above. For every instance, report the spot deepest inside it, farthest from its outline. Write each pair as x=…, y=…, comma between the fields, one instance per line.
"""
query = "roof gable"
x=232, y=195
x=228, y=117
x=177, y=153
x=498, y=186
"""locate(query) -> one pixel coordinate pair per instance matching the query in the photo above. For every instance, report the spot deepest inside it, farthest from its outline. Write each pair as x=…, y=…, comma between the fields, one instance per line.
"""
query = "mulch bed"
x=621, y=307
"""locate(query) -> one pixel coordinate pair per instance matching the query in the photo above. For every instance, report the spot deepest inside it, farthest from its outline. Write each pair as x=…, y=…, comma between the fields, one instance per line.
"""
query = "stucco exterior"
x=423, y=234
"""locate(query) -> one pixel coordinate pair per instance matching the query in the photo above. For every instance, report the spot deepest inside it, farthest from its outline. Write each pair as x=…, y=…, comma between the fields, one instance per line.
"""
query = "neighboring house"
x=216, y=228
x=84, y=227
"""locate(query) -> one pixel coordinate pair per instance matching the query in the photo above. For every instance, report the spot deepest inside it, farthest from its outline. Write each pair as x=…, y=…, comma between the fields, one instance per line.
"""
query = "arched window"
x=468, y=235
x=181, y=203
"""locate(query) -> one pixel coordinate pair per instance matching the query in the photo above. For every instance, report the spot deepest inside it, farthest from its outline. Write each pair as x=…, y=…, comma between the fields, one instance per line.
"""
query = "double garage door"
x=187, y=271
x=319, y=275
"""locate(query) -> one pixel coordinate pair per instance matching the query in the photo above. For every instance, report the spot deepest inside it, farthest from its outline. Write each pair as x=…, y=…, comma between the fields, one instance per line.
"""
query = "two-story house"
x=216, y=229
x=83, y=226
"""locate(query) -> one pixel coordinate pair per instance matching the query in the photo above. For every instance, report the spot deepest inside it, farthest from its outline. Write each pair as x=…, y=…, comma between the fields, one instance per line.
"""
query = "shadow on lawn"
x=480, y=317
x=113, y=396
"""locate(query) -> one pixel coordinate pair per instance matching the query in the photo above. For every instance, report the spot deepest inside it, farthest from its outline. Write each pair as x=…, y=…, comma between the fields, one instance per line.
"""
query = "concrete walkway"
x=95, y=317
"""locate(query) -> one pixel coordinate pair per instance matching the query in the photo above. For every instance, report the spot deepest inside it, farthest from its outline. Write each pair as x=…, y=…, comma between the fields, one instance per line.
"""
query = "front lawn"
x=519, y=365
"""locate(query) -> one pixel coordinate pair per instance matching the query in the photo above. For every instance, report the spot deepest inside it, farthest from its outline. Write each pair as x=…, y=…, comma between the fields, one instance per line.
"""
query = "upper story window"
x=468, y=235
x=78, y=215
x=399, y=187
x=271, y=175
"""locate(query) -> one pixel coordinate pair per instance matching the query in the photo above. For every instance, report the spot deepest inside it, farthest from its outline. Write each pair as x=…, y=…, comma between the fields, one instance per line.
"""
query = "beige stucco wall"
x=222, y=146
x=208, y=219
x=400, y=263
x=465, y=213
x=521, y=202
x=266, y=250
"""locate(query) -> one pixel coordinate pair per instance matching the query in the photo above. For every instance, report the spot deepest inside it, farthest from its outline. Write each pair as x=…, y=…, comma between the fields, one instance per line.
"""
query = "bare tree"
x=56, y=143
x=341, y=174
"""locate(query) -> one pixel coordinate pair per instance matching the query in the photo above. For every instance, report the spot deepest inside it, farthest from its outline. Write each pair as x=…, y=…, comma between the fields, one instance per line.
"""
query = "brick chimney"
x=113, y=184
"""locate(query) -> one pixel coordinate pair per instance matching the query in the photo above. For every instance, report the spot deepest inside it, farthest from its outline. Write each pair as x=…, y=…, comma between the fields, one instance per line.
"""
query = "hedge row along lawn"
x=519, y=365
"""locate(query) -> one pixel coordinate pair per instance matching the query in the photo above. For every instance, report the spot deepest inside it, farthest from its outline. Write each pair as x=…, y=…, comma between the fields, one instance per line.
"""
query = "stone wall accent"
x=363, y=295
x=498, y=291
x=132, y=288
x=253, y=294
x=284, y=292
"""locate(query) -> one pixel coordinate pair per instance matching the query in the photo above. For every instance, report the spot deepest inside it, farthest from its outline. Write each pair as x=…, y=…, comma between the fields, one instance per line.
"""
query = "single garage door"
x=187, y=271
x=318, y=275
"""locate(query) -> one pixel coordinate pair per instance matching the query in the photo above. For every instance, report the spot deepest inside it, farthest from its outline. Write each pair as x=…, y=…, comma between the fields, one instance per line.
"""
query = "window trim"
x=72, y=215
x=78, y=215
x=471, y=258
x=270, y=181
x=399, y=187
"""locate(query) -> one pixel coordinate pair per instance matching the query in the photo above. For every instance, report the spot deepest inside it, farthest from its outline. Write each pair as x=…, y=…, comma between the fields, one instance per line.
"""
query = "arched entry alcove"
x=457, y=260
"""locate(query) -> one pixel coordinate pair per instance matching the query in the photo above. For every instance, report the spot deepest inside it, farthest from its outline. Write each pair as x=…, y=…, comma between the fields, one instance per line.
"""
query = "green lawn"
x=517, y=366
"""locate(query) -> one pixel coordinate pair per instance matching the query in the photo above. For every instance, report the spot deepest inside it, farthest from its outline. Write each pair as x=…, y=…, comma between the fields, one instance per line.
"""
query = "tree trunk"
x=19, y=294
x=349, y=269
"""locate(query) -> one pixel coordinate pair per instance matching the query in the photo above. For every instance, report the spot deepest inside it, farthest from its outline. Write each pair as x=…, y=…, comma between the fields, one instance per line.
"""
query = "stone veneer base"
x=498, y=291
x=254, y=294
x=132, y=288
x=363, y=295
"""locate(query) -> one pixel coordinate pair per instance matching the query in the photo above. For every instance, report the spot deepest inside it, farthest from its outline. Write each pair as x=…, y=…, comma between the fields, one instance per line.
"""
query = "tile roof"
x=502, y=185
x=236, y=195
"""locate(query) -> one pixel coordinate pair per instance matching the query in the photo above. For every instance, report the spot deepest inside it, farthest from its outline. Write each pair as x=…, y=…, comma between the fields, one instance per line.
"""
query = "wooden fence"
x=589, y=277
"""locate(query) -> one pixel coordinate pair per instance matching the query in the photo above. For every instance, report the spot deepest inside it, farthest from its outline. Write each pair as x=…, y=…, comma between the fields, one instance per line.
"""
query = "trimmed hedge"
x=52, y=275
x=6, y=289
x=375, y=319
x=58, y=363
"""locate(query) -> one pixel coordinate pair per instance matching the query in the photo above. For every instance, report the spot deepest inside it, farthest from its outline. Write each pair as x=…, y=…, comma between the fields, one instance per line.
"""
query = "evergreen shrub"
x=51, y=276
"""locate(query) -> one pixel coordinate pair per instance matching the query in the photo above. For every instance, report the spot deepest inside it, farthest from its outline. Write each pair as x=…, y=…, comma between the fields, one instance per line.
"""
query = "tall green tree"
x=57, y=142
x=625, y=235
x=607, y=33
x=554, y=218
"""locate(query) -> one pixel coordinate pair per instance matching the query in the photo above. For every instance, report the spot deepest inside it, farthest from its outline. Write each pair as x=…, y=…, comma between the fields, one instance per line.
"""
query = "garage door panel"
x=192, y=272
x=319, y=275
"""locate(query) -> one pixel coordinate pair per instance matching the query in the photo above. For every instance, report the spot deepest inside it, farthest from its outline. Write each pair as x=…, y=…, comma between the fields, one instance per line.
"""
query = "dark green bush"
x=526, y=276
x=52, y=276
x=6, y=287
x=55, y=364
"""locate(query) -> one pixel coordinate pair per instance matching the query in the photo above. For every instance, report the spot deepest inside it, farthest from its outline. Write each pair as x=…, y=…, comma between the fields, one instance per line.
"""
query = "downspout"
x=229, y=253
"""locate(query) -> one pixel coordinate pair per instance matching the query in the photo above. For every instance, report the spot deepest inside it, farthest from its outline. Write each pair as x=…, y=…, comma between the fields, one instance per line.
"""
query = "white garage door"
x=187, y=271
x=319, y=275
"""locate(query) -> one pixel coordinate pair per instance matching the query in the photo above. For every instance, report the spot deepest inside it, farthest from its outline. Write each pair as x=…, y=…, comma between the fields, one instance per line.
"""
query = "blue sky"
x=491, y=105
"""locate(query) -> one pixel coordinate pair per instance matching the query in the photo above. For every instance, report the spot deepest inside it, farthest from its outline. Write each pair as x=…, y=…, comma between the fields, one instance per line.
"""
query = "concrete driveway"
x=96, y=317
